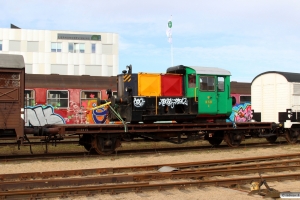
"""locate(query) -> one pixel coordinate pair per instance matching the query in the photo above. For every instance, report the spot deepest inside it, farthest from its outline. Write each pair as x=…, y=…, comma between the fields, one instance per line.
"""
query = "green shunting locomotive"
x=182, y=94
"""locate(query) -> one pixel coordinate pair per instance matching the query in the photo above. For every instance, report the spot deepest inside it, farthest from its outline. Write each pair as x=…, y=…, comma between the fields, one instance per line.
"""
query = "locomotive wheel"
x=271, y=139
x=105, y=146
x=291, y=136
x=233, y=139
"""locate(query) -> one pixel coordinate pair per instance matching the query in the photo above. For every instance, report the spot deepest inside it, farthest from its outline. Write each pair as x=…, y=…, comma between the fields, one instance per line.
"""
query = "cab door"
x=207, y=95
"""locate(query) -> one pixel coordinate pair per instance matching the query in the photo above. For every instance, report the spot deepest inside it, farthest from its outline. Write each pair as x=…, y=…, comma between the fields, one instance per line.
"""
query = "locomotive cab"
x=207, y=90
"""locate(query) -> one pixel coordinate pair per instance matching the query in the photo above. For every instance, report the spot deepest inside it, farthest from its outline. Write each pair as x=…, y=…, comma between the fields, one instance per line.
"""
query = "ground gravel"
x=159, y=158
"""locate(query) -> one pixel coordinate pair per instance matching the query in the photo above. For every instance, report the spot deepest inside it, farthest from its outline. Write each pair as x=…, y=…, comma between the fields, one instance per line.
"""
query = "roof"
x=70, y=81
x=11, y=61
x=290, y=77
x=202, y=70
x=240, y=87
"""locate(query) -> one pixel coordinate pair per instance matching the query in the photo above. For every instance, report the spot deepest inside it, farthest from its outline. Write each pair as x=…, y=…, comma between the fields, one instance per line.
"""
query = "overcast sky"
x=246, y=37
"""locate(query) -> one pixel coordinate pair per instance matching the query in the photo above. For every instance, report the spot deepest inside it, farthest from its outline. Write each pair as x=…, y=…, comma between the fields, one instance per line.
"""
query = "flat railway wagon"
x=197, y=98
x=12, y=72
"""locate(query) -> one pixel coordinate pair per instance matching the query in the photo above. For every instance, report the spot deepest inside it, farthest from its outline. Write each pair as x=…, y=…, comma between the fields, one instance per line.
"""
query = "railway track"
x=165, y=150
x=193, y=174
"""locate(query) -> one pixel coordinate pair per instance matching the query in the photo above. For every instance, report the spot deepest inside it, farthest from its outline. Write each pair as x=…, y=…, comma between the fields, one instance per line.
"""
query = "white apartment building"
x=63, y=52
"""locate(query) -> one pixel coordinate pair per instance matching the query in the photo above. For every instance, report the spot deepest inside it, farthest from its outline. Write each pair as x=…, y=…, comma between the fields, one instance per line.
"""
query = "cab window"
x=221, y=84
x=191, y=80
x=207, y=83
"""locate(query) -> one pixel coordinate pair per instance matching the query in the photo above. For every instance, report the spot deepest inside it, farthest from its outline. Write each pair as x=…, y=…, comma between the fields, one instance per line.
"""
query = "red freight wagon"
x=65, y=99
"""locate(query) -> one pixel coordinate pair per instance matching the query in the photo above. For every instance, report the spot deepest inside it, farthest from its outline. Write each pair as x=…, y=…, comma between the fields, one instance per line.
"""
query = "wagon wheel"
x=217, y=138
x=291, y=136
x=105, y=146
x=89, y=148
x=215, y=141
x=271, y=139
x=127, y=137
x=233, y=139
x=86, y=141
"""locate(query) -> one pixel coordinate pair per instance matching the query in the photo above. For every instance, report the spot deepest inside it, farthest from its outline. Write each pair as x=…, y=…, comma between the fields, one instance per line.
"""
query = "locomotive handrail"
x=195, y=92
x=119, y=118
x=156, y=105
x=101, y=106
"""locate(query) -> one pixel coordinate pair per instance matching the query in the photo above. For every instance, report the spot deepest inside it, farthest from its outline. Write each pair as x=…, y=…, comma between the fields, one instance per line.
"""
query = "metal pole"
x=172, y=54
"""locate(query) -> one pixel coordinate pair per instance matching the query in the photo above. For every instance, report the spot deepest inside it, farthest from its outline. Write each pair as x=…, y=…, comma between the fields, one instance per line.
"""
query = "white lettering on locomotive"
x=171, y=102
x=138, y=102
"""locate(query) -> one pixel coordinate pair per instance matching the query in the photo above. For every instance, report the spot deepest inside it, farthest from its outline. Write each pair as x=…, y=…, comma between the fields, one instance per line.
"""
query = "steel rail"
x=181, y=166
x=190, y=174
x=120, y=152
x=145, y=186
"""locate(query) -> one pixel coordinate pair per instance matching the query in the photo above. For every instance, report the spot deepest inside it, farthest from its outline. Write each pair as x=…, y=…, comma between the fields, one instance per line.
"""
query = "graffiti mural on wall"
x=76, y=114
x=241, y=113
x=85, y=114
x=41, y=115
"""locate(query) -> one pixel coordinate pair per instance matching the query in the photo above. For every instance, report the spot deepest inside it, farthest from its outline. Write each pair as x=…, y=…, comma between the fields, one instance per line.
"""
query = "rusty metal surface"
x=86, y=81
x=191, y=174
x=70, y=81
x=12, y=99
x=240, y=87
x=159, y=128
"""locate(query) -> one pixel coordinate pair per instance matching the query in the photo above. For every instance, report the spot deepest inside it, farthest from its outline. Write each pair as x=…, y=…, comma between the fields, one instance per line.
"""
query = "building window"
x=207, y=83
x=93, y=50
x=76, y=47
x=71, y=48
x=58, y=98
x=0, y=45
x=55, y=46
x=29, y=98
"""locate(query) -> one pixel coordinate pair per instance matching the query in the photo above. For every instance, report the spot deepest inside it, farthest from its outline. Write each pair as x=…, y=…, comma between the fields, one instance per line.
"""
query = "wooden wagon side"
x=12, y=83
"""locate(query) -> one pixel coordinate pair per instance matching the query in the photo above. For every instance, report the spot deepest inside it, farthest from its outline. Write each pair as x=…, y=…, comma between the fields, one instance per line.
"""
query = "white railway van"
x=276, y=98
